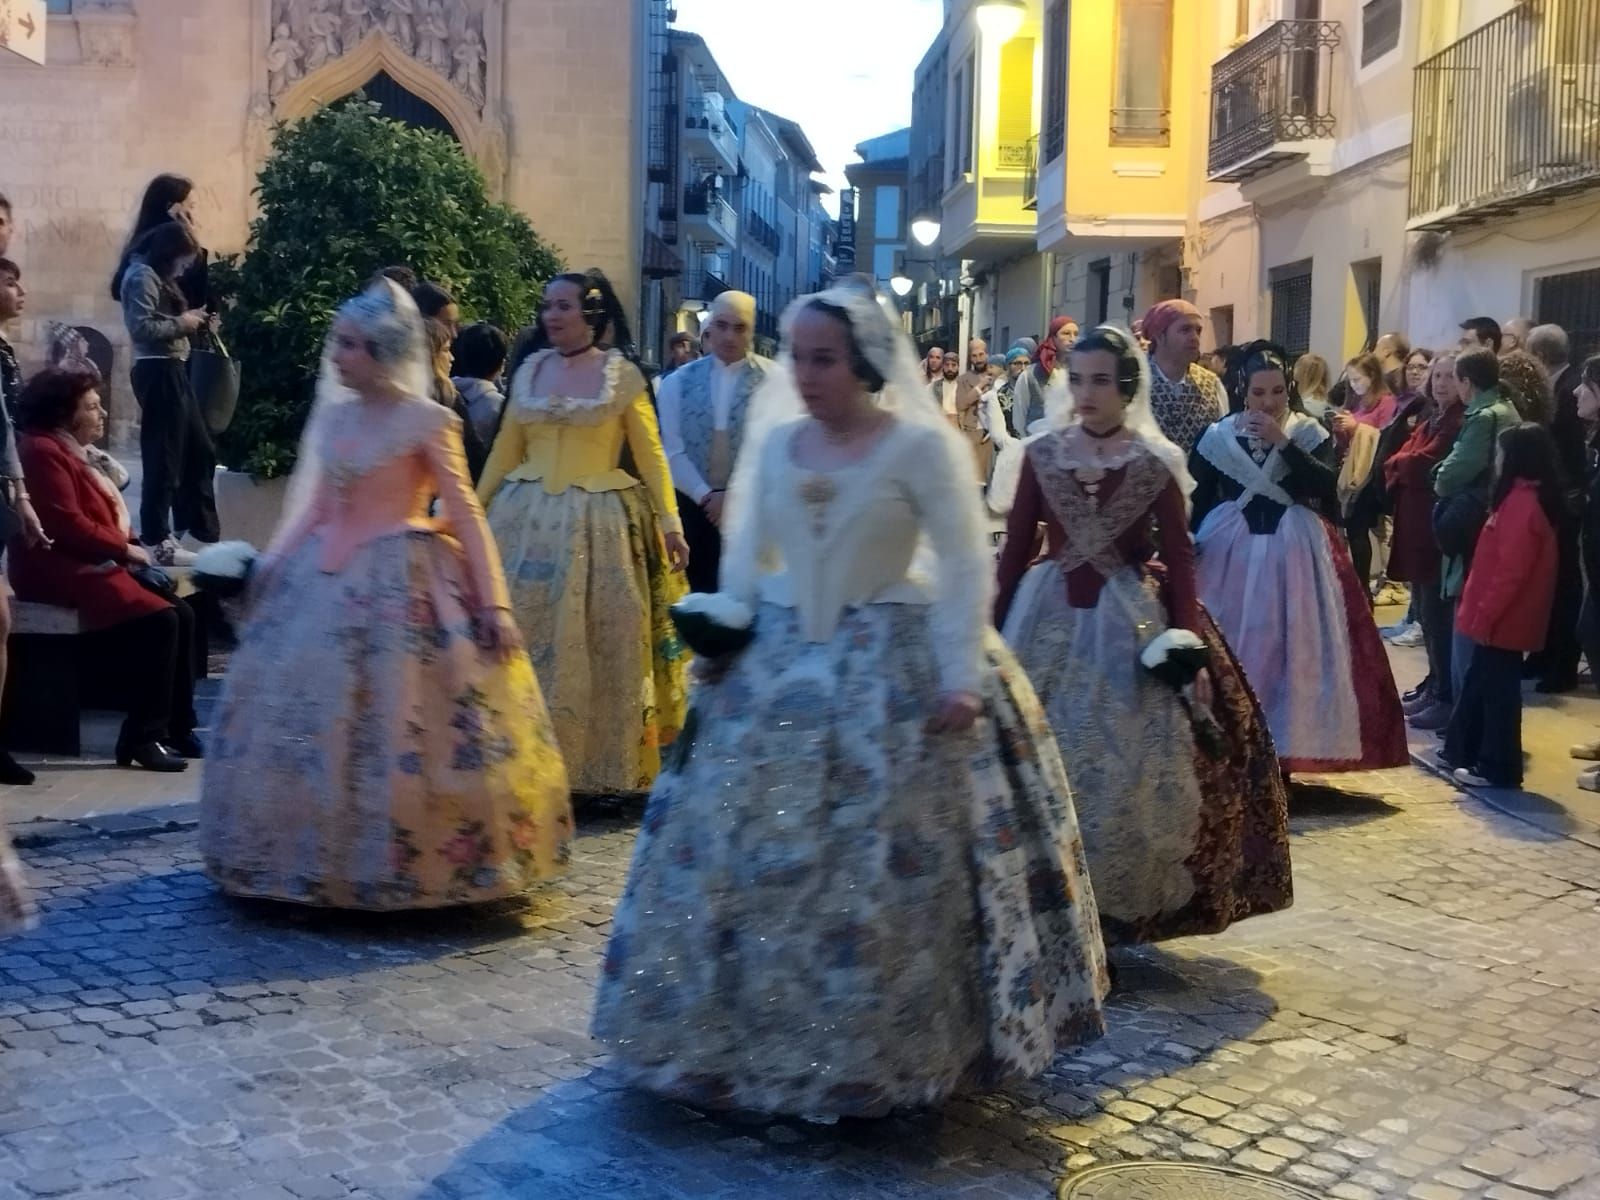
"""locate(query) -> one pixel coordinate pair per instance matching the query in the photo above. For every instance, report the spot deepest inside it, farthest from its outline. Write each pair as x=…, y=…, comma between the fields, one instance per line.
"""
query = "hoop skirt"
x=829, y=910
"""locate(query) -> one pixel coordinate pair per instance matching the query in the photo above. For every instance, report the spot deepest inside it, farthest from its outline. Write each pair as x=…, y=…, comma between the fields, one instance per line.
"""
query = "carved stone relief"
x=447, y=36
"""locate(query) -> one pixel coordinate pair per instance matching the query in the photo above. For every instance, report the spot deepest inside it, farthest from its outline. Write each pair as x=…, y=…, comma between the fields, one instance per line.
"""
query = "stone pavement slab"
x=1421, y=1024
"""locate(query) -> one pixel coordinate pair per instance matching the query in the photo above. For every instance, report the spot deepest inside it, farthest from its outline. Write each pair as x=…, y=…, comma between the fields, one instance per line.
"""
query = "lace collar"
x=355, y=440
x=1223, y=447
x=571, y=410
x=1071, y=449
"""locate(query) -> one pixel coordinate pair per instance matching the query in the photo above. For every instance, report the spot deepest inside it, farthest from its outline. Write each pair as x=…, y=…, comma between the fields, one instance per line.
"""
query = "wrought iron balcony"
x=704, y=210
x=1030, y=176
x=1270, y=97
x=712, y=285
x=1508, y=117
x=707, y=131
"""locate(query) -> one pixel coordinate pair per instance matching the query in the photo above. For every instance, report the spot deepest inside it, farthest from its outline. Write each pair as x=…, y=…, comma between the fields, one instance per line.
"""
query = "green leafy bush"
x=345, y=193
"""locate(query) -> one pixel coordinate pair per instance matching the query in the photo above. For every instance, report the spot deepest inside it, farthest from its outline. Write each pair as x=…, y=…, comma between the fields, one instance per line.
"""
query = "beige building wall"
x=545, y=94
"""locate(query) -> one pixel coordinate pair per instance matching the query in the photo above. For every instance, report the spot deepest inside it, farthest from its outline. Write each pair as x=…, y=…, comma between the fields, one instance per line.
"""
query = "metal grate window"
x=1380, y=29
x=1057, y=43
x=1291, y=306
x=1572, y=301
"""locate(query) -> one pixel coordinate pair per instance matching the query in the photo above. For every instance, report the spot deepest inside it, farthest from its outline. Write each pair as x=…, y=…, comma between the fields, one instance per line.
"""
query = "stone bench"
x=42, y=709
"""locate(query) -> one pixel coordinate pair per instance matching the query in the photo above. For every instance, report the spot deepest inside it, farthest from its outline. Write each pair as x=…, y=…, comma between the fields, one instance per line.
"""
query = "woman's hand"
x=497, y=633
x=955, y=713
x=138, y=556
x=1259, y=425
x=1204, y=693
x=191, y=321
x=1343, y=422
x=32, y=531
x=677, y=552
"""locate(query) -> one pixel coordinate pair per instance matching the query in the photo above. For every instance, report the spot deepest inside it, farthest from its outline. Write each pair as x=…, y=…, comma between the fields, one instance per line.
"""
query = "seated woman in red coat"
x=143, y=642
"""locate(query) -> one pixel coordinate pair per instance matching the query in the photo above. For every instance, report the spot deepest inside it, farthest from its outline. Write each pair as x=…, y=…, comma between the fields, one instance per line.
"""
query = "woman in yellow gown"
x=594, y=555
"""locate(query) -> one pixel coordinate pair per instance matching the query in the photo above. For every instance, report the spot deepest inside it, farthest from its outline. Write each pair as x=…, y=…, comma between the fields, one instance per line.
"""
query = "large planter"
x=248, y=508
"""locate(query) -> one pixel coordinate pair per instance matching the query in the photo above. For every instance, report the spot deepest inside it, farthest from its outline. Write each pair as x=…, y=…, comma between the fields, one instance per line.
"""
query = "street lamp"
x=901, y=285
x=925, y=229
x=1000, y=19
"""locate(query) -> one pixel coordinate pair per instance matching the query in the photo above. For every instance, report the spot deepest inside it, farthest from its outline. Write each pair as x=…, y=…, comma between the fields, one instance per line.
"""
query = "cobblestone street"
x=1422, y=1024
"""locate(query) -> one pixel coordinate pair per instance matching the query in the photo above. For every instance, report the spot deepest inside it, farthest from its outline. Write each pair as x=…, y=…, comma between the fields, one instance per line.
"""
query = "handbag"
x=1458, y=520
x=214, y=378
x=155, y=580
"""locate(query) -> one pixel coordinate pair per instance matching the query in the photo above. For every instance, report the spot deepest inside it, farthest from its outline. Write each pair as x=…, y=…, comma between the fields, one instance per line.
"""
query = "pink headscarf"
x=1045, y=356
x=1380, y=414
x=1164, y=316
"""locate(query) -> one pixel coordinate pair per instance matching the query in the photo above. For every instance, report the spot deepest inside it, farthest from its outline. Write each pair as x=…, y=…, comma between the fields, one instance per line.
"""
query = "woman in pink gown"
x=382, y=742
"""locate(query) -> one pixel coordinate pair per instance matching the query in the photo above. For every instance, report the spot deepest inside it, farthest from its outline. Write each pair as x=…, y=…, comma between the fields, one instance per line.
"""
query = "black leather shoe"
x=13, y=772
x=186, y=745
x=152, y=756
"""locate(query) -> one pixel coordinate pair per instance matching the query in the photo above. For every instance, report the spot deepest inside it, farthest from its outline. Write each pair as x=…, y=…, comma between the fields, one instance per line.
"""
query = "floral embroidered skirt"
x=832, y=912
x=1295, y=613
x=1179, y=842
x=368, y=754
x=590, y=588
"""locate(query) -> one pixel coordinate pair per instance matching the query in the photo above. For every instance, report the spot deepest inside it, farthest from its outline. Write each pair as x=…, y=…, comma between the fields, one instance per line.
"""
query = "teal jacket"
x=1470, y=466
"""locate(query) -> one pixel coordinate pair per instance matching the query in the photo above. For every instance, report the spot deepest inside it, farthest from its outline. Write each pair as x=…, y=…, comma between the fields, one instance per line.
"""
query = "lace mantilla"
x=620, y=387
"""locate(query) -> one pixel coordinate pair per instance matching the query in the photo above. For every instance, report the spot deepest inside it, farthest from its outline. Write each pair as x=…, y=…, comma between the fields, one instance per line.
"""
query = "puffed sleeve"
x=464, y=515
x=1022, y=540
x=644, y=439
x=1177, y=555
x=510, y=445
x=940, y=482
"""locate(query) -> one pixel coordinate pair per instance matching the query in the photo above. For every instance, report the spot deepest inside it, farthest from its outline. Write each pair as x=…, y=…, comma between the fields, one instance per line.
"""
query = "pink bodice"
x=380, y=471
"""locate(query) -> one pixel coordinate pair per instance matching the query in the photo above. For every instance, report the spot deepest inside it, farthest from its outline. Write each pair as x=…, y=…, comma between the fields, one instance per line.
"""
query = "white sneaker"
x=1390, y=632
x=1411, y=637
x=169, y=554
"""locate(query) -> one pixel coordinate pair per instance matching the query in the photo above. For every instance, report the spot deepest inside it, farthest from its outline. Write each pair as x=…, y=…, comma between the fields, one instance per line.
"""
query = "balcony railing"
x=1273, y=91
x=705, y=117
x=763, y=232
x=708, y=202
x=1013, y=156
x=1507, y=117
x=1030, y=176
x=712, y=285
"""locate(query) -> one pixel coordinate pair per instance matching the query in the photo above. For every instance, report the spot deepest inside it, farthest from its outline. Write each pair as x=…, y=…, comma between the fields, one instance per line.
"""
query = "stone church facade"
x=546, y=95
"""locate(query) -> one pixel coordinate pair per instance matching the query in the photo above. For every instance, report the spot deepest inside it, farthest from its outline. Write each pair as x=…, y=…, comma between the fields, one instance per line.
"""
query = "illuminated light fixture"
x=1000, y=19
x=925, y=230
x=901, y=285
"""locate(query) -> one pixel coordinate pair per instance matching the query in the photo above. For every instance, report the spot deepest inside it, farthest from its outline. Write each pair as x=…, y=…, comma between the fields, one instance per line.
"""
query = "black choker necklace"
x=574, y=353
x=1100, y=437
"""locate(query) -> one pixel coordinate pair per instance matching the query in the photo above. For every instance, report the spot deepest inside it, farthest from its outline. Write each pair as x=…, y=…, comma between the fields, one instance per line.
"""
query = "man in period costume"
x=1185, y=397
x=703, y=405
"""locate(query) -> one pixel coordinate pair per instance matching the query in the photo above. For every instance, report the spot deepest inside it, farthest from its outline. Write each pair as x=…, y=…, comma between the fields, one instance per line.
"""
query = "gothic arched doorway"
x=401, y=104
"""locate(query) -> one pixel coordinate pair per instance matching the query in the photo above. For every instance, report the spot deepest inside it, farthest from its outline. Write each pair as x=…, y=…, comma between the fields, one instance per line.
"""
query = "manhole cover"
x=1176, y=1181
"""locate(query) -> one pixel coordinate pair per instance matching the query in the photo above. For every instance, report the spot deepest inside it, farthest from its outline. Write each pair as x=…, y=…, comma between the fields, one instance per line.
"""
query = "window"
x=886, y=213
x=1222, y=325
x=1572, y=301
x=1141, y=106
x=1291, y=306
x=1100, y=290
x=1380, y=29
x=1366, y=279
x=58, y=6
x=883, y=262
x=964, y=97
x=1058, y=48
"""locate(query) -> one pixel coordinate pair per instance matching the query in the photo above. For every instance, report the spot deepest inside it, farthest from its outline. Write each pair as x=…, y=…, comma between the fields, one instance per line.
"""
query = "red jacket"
x=1506, y=603
x=81, y=520
x=1413, y=553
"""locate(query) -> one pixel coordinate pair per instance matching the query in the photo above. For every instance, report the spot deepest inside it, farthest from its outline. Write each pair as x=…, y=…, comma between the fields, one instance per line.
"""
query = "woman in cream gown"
x=859, y=884
x=593, y=558
x=380, y=741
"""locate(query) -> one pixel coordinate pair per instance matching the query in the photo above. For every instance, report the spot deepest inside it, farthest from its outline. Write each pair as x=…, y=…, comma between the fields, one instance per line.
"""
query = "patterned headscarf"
x=1164, y=316
x=1047, y=352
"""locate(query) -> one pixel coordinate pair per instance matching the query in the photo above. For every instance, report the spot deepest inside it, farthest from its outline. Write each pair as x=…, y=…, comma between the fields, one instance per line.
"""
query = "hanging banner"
x=22, y=24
